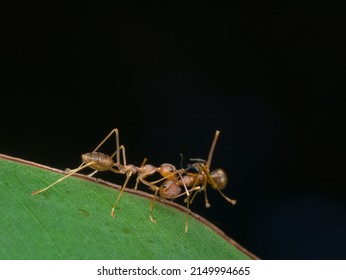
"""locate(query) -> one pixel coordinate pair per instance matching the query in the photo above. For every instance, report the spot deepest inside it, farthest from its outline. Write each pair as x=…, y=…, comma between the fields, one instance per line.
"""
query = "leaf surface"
x=72, y=221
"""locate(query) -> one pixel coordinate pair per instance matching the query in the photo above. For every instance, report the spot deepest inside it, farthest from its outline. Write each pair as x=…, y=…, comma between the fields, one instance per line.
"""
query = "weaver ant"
x=174, y=180
x=196, y=181
x=102, y=162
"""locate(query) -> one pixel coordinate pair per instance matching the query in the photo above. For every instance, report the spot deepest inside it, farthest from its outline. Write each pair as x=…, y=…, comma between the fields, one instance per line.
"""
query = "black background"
x=271, y=80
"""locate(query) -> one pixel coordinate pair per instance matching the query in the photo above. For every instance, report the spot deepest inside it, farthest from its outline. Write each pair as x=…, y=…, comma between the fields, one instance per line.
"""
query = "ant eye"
x=171, y=170
x=167, y=184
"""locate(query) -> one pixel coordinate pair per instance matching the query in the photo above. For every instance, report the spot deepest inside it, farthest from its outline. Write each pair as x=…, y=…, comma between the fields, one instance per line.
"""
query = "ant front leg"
x=172, y=189
x=130, y=170
x=152, y=205
x=156, y=190
x=128, y=175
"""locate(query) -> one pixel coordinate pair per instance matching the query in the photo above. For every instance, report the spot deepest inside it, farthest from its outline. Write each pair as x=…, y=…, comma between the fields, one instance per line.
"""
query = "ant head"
x=169, y=189
x=167, y=170
x=220, y=178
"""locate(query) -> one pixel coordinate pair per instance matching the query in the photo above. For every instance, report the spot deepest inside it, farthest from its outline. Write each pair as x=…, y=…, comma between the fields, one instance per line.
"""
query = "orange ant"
x=217, y=178
x=102, y=162
x=196, y=182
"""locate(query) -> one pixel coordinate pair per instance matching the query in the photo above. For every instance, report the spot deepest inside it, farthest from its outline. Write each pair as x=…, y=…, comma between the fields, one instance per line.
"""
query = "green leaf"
x=72, y=221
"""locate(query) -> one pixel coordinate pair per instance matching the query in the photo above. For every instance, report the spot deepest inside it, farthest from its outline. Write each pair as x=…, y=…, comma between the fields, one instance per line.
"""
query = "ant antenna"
x=181, y=161
x=210, y=156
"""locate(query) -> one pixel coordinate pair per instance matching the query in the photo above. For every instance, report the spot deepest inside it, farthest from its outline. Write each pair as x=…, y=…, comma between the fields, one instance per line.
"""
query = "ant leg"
x=187, y=200
x=116, y=133
x=164, y=178
x=63, y=178
x=117, y=152
x=153, y=188
x=137, y=182
x=152, y=206
x=138, y=179
x=182, y=179
x=128, y=175
x=188, y=203
x=214, y=185
x=232, y=201
x=193, y=196
x=93, y=173
x=207, y=204
x=187, y=214
x=119, y=165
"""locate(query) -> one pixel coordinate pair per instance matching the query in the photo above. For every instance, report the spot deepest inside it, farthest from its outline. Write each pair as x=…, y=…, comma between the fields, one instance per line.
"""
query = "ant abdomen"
x=100, y=161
